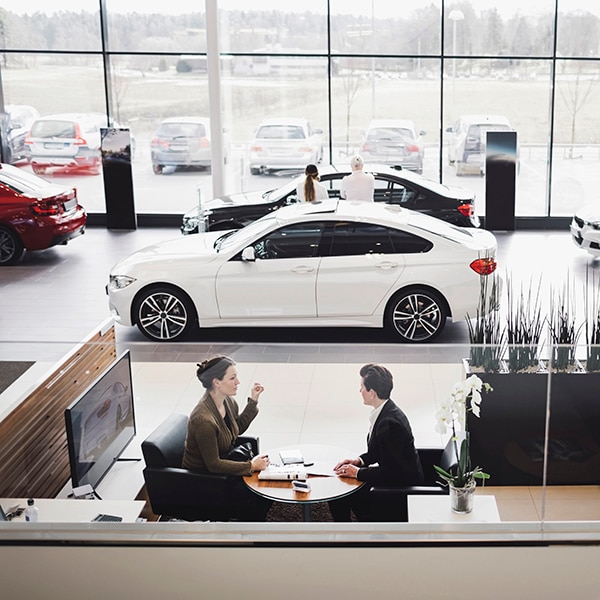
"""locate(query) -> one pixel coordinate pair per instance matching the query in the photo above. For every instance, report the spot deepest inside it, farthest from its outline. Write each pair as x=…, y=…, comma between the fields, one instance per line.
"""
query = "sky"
x=357, y=7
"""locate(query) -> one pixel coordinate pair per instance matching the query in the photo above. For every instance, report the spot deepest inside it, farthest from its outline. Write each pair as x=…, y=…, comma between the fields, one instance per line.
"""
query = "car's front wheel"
x=164, y=314
x=11, y=247
x=416, y=315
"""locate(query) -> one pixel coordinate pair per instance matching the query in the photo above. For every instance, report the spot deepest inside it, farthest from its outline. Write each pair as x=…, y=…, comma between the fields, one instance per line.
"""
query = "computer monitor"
x=100, y=424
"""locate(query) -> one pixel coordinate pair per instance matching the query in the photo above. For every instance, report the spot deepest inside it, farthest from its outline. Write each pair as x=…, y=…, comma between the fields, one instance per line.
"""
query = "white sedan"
x=333, y=263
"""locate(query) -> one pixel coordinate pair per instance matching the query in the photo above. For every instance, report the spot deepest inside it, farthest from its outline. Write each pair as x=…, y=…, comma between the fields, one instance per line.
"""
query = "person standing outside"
x=358, y=185
x=309, y=189
x=391, y=458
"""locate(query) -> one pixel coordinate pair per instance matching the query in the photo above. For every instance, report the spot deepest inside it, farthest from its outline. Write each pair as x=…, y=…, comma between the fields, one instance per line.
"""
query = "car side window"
x=408, y=243
x=333, y=185
x=354, y=239
x=300, y=240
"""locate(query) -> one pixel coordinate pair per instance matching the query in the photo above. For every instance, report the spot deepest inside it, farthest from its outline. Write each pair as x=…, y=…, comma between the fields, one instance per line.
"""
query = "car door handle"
x=303, y=269
x=386, y=266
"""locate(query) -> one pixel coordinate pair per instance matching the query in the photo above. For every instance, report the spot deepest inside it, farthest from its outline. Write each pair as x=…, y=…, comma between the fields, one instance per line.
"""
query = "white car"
x=394, y=142
x=585, y=229
x=467, y=141
x=285, y=144
x=333, y=263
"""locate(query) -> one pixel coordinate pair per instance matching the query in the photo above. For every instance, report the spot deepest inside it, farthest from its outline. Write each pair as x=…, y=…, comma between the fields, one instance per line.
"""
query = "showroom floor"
x=54, y=299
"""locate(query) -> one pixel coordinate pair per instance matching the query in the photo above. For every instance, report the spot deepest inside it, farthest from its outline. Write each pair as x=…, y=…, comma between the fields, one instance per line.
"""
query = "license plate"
x=70, y=205
x=177, y=148
x=54, y=145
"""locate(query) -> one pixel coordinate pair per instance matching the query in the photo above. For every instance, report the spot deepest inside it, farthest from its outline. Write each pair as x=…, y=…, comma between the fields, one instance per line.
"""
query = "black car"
x=393, y=186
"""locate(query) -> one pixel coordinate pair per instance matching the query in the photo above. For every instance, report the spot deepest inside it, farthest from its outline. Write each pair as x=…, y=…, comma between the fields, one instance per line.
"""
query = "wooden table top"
x=323, y=487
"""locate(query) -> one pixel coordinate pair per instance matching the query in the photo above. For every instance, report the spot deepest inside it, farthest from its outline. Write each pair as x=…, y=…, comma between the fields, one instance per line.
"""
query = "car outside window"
x=58, y=129
x=293, y=241
x=280, y=132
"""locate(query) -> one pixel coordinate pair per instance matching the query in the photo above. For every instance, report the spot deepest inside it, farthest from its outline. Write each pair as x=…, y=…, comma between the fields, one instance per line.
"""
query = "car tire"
x=254, y=171
x=11, y=247
x=157, y=169
x=164, y=314
x=416, y=315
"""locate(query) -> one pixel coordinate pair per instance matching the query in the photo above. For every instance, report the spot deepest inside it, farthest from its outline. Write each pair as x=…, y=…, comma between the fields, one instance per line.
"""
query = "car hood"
x=199, y=247
x=241, y=199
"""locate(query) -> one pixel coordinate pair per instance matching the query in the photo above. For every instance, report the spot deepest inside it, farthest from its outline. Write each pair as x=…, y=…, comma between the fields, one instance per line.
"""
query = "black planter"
x=507, y=441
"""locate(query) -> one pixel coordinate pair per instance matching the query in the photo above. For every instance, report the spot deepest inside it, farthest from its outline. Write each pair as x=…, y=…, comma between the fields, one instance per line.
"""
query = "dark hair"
x=213, y=368
x=377, y=378
x=311, y=173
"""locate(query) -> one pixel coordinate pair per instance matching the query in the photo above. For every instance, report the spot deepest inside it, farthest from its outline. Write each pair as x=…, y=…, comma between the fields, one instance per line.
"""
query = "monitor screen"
x=100, y=424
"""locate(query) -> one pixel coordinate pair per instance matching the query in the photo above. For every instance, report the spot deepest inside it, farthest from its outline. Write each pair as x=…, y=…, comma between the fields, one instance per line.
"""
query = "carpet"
x=10, y=371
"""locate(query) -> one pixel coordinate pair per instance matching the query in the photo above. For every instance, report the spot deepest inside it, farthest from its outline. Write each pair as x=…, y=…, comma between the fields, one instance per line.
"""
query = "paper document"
x=322, y=468
x=288, y=473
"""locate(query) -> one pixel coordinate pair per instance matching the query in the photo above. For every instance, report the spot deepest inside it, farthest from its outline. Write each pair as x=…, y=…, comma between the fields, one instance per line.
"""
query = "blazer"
x=391, y=458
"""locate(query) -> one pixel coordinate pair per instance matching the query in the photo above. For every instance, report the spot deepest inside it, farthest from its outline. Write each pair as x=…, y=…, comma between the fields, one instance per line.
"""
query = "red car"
x=35, y=214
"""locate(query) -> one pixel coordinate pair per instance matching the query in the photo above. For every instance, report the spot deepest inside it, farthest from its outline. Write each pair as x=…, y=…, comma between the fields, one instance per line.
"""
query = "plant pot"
x=461, y=499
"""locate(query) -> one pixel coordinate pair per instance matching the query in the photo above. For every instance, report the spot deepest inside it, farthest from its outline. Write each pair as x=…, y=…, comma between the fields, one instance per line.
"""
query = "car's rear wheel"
x=416, y=315
x=158, y=169
x=164, y=314
x=11, y=247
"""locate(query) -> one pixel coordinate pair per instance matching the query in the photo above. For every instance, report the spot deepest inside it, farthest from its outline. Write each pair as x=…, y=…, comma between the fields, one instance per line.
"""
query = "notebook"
x=291, y=457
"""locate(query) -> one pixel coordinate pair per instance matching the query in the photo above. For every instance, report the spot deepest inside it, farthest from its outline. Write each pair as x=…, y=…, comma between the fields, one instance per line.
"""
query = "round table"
x=325, y=485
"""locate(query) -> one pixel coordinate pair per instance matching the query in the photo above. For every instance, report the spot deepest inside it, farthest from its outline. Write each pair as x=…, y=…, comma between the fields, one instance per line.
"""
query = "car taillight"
x=47, y=209
x=157, y=142
x=255, y=148
x=306, y=149
x=466, y=210
x=79, y=141
x=412, y=148
x=204, y=143
x=484, y=266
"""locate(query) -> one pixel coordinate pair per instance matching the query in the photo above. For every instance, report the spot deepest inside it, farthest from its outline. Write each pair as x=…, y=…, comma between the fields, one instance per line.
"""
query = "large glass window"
x=347, y=70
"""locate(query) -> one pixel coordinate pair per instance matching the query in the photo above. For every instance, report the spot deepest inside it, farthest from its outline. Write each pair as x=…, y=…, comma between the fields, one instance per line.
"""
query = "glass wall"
x=452, y=69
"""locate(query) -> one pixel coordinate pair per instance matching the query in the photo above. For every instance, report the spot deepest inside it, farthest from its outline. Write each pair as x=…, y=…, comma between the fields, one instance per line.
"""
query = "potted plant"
x=592, y=323
x=462, y=478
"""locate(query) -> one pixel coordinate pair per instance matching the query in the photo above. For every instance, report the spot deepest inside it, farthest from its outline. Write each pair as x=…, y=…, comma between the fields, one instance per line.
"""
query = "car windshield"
x=182, y=130
x=48, y=129
x=389, y=134
x=280, y=132
x=21, y=181
x=243, y=237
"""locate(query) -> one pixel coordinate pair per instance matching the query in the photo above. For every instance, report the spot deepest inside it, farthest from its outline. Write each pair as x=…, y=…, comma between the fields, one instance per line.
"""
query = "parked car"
x=285, y=144
x=66, y=141
x=466, y=144
x=585, y=229
x=181, y=142
x=392, y=186
x=35, y=214
x=19, y=118
x=394, y=142
x=332, y=263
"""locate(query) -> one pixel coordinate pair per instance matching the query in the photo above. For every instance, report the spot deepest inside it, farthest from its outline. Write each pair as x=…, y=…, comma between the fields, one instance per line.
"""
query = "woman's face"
x=230, y=382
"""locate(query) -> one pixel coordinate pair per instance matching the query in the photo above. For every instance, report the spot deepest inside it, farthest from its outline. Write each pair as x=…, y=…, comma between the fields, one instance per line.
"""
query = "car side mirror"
x=449, y=130
x=248, y=254
x=319, y=131
x=422, y=132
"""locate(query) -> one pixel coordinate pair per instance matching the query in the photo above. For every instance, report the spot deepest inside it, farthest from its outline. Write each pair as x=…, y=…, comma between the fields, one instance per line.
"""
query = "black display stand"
x=500, y=180
x=118, y=180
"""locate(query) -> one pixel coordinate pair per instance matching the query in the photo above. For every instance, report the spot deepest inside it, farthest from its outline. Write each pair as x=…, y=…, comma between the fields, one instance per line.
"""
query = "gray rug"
x=10, y=371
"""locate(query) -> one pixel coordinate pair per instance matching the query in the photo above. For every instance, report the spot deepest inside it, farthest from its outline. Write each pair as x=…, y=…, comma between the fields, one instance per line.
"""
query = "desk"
x=76, y=511
x=436, y=509
x=323, y=487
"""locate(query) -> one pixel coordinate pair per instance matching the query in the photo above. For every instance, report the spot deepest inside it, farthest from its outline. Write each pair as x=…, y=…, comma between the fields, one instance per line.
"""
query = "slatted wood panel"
x=34, y=461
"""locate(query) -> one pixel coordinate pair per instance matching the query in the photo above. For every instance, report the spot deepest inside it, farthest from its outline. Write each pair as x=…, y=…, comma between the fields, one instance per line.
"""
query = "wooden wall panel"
x=34, y=461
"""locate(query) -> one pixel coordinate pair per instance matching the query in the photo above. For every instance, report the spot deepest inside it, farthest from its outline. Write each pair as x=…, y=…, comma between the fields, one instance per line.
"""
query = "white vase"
x=461, y=498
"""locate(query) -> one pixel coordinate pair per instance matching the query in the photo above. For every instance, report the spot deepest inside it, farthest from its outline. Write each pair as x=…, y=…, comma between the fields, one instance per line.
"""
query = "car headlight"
x=118, y=282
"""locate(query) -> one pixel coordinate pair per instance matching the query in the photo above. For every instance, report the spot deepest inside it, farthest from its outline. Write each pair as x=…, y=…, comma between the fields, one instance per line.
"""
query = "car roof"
x=405, y=123
x=485, y=119
x=284, y=121
x=202, y=120
x=74, y=117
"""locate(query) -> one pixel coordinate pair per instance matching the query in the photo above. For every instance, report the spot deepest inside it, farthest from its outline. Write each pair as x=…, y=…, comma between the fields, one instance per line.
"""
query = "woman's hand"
x=260, y=463
x=347, y=468
x=257, y=390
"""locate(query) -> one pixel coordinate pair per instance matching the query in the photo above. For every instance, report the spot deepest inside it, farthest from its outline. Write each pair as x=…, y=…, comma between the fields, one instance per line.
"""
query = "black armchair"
x=391, y=504
x=181, y=493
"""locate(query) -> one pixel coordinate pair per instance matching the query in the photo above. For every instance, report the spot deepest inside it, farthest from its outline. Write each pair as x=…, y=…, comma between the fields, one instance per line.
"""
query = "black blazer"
x=391, y=445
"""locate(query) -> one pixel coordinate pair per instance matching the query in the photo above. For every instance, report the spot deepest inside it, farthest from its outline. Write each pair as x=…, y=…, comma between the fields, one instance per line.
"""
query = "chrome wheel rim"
x=7, y=247
x=163, y=316
x=417, y=317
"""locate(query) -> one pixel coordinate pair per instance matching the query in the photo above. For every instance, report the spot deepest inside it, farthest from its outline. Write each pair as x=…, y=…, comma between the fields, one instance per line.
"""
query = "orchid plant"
x=466, y=396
